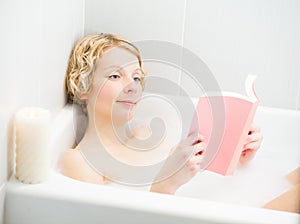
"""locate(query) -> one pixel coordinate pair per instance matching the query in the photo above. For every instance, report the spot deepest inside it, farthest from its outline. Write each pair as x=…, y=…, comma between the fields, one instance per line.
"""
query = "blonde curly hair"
x=81, y=64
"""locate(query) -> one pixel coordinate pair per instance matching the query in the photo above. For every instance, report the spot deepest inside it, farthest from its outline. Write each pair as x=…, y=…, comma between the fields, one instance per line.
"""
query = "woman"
x=105, y=75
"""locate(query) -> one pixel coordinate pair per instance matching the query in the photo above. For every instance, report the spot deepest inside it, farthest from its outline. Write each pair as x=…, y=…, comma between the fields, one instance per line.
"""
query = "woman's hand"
x=182, y=165
x=252, y=144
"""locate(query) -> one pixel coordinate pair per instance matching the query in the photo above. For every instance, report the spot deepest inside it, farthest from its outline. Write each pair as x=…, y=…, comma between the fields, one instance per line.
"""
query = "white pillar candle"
x=33, y=157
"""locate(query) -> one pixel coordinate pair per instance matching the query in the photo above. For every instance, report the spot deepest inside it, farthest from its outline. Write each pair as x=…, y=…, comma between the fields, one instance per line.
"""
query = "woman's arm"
x=181, y=166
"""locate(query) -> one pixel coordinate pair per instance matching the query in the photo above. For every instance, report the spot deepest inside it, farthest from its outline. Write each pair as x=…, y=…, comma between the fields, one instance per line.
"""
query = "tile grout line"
x=182, y=44
x=298, y=103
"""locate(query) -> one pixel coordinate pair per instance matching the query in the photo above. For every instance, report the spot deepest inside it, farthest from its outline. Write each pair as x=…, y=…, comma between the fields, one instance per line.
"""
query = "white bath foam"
x=253, y=185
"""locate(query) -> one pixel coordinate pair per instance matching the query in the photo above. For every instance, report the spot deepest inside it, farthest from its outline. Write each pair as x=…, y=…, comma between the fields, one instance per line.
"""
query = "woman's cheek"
x=107, y=95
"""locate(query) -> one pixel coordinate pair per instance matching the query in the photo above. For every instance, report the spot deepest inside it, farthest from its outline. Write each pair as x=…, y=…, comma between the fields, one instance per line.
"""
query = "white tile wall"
x=140, y=20
x=36, y=39
x=136, y=19
x=63, y=23
x=162, y=78
x=236, y=38
x=2, y=194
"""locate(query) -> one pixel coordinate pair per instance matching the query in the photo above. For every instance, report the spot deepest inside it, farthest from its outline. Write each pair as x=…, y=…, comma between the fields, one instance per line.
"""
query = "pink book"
x=224, y=119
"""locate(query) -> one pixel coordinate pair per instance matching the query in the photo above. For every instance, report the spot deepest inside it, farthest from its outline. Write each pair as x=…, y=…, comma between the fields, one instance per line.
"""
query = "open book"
x=224, y=119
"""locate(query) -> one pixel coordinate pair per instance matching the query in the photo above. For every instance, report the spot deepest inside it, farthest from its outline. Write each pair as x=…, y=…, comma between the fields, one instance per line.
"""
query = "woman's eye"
x=137, y=79
x=114, y=76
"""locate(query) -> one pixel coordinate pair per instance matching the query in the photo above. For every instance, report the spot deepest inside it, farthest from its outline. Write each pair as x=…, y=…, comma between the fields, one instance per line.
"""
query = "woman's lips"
x=126, y=102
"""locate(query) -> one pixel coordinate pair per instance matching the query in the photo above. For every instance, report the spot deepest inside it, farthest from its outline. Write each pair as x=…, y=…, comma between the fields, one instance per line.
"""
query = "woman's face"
x=116, y=87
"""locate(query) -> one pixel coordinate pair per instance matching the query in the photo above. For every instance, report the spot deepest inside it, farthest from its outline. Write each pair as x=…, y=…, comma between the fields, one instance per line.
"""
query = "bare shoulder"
x=69, y=159
x=73, y=165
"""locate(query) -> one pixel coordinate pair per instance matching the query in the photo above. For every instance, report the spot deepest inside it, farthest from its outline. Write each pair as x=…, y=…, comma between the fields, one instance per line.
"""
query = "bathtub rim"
x=60, y=188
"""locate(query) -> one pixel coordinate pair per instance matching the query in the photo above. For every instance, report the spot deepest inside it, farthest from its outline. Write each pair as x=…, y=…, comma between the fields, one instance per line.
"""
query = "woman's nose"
x=130, y=87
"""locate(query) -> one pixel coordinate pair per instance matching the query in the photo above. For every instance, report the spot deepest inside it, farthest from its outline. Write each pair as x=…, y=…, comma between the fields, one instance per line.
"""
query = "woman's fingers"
x=256, y=136
x=191, y=140
x=194, y=164
x=198, y=159
x=189, y=152
x=254, y=128
x=246, y=156
x=199, y=148
x=252, y=145
x=197, y=156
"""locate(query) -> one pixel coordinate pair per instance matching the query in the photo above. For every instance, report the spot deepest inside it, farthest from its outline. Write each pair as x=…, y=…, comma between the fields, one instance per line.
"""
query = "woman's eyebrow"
x=138, y=70
x=120, y=68
x=114, y=67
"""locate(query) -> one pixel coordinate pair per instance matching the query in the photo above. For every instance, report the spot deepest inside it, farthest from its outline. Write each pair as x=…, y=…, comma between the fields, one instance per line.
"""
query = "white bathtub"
x=208, y=198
